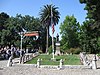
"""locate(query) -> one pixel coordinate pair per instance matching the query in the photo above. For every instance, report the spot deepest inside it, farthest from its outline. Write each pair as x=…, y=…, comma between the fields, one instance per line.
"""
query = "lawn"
x=46, y=60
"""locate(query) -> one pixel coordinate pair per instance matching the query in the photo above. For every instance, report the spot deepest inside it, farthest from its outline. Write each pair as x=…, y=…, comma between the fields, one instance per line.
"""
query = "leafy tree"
x=93, y=13
x=30, y=24
x=13, y=25
x=85, y=37
x=3, y=28
x=69, y=31
x=45, y=17
x=3, y=19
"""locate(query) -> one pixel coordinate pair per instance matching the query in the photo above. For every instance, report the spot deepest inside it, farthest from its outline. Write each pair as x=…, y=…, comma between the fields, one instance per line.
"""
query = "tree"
x=11, y=26
x=45, y=17
x=3, y=28
x=29, y=24
x=93, y=14
x=85, y=36
x=69, y=31
x=3, y=19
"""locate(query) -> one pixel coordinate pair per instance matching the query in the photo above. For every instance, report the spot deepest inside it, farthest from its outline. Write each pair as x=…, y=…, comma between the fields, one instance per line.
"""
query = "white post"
x=38, y=63
x=61, y=63
x=94, y=65
x=9, y=62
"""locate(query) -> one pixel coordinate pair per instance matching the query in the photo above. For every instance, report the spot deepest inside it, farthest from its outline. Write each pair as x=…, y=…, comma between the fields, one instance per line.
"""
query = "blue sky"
x=33, y=7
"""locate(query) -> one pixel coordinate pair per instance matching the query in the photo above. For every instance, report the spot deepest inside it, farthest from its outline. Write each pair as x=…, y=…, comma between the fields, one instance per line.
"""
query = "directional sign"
x=31, y=34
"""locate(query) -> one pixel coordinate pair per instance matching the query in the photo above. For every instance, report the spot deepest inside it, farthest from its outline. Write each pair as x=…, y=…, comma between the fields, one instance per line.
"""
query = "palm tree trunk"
x=47, y=43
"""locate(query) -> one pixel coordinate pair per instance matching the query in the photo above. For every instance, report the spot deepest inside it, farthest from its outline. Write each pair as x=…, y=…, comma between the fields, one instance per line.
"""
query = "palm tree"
x=45, y=17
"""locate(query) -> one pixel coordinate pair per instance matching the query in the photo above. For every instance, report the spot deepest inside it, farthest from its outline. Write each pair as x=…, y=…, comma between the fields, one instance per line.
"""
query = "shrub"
x=77, y=50
x=50, y=49
x=74, y=50
x=40, y=51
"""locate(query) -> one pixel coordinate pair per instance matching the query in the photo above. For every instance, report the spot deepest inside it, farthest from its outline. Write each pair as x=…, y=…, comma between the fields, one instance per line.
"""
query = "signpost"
x=23, y=34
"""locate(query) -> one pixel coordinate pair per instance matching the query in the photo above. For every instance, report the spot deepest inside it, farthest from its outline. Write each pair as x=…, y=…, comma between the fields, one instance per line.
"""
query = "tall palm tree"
x=45, y=17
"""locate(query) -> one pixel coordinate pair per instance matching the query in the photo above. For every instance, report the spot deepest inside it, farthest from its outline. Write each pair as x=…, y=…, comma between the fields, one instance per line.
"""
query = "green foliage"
x=50, y=50
x=69, y=31
x=85, y=36
x=98, y=54
x=45, y=14
x=12, y=26
x=74, y=50
x=93, y=26
x=93, y=13
x=64, y=48
x=3, y=19
x=88, y=41
x=3, y=32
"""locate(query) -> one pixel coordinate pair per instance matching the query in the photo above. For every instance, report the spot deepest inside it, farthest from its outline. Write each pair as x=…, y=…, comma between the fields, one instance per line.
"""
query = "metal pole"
x=21, y=41
x=52, y=31
x=53, y=45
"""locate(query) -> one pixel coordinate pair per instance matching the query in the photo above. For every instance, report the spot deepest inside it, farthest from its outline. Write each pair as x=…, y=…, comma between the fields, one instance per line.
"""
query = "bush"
x=40, y=51
x=98, y=54
x=74, y=50
x=50, y=49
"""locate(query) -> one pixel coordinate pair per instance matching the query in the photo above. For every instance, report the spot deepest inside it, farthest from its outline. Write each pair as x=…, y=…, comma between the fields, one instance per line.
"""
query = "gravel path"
x=3, y=63
x=30, y=70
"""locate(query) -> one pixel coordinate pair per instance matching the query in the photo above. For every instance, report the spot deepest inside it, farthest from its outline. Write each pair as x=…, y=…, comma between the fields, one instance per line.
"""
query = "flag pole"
x=52, y=31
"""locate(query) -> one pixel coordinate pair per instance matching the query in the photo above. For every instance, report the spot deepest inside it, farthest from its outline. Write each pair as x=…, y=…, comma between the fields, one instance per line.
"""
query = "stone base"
x=57, y=48
x=57, y=53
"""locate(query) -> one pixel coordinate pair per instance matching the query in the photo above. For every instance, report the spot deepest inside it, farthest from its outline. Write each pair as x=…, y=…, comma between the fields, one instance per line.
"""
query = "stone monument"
x=57, y=52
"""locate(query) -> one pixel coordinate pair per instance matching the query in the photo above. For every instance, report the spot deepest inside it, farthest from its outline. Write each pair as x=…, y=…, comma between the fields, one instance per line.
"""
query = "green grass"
x=46, y=60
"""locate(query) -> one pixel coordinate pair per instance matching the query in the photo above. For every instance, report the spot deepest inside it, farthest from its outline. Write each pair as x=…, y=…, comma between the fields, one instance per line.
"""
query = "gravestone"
x=57, y=52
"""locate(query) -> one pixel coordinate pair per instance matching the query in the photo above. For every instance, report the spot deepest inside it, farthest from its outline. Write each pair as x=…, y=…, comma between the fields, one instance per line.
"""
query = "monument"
x=57, y=52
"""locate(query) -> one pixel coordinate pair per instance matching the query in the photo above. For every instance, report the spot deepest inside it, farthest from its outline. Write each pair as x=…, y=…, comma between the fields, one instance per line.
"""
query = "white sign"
x=58, y=44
